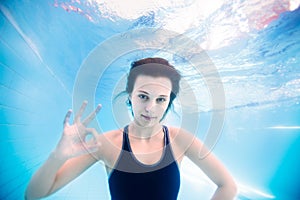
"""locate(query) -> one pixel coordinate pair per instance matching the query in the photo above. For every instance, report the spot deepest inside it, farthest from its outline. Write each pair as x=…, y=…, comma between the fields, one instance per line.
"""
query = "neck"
x=141, y=132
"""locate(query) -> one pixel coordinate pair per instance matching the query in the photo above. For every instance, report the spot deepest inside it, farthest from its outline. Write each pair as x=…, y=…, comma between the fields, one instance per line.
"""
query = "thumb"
x=92, y=147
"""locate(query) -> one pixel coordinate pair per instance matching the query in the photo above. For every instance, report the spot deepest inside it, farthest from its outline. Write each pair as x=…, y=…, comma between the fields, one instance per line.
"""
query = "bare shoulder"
x=110, y=145
x=113, y=135
x=178, y=134
x=183, y=138
x=110, y=138
x=180, y=140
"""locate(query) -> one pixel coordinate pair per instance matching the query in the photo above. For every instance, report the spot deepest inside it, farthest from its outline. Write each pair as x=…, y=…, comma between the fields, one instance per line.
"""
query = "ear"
x=128, y=102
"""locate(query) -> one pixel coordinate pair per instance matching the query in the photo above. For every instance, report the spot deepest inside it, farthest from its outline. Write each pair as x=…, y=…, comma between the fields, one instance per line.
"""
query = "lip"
x=148, y=118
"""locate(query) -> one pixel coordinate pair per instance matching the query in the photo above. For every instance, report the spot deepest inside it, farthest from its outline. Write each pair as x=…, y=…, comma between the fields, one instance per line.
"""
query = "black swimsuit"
x=133, y=180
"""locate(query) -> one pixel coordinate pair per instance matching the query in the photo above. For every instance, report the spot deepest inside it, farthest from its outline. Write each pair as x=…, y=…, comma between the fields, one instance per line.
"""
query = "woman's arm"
x=71, y=157
x=56, y=173
x=209, y=164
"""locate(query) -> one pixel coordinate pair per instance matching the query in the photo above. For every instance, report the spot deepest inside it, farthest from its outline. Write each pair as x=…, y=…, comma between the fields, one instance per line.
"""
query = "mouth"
x=148, y=118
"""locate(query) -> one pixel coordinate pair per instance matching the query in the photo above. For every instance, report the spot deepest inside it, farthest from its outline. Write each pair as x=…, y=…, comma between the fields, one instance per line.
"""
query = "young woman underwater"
x=142, y=160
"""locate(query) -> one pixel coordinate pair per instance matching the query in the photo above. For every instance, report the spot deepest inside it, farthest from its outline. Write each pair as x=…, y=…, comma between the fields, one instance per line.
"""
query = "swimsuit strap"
x=166, y=132
x=125, y=145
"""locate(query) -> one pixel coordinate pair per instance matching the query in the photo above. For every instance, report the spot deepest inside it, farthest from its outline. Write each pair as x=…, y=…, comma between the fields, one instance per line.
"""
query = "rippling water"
x=252, y=46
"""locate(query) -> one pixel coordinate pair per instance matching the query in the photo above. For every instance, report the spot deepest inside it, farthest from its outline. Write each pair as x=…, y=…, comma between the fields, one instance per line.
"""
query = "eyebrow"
x=142, y=91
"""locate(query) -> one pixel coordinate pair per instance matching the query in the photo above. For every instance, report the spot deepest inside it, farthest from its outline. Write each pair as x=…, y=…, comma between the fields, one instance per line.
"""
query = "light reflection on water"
x=255, y=47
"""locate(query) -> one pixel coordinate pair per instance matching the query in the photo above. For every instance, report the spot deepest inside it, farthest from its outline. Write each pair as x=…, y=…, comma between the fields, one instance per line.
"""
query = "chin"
x=145, y=124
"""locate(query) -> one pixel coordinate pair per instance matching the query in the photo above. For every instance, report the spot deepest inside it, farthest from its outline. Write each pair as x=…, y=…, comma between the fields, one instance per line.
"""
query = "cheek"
x=136, y=105
x=162, y=108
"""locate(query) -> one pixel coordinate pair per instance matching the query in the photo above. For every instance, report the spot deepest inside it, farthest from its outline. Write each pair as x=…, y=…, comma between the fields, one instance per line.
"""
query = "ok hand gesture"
x=74, y=141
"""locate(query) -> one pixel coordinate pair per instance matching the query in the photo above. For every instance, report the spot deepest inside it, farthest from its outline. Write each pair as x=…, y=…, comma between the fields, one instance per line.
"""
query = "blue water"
x=255, y=48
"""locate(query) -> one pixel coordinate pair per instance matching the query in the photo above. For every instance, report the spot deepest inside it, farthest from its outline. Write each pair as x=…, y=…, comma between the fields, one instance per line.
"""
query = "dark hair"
x=155, y=67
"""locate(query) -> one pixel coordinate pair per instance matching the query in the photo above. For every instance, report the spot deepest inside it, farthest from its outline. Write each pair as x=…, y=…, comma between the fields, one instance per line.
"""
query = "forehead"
x=159, y=84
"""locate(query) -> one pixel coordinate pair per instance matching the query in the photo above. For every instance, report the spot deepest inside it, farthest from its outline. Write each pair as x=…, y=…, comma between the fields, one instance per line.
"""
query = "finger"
x=91, y=145
x=92, y=115
x=67, y=118
x=86, y=134
x=80, y=112
x=93, y=132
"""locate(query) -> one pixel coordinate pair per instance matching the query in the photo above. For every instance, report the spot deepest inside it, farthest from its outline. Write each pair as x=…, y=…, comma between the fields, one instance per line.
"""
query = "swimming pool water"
x=255, y=47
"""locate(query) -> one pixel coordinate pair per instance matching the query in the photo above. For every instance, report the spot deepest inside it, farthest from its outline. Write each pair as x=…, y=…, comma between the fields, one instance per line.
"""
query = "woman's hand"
x=74, y=141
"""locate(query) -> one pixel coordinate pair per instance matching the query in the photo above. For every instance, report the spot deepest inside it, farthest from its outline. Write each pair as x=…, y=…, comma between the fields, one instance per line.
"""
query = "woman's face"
x=150, y=98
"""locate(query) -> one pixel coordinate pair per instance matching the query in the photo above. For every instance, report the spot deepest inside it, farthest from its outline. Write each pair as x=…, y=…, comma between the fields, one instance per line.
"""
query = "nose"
x=149, y=106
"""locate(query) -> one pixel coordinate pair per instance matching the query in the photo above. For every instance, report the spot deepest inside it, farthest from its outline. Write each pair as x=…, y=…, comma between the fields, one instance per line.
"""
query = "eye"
x=161, y=100
x=143, y=97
